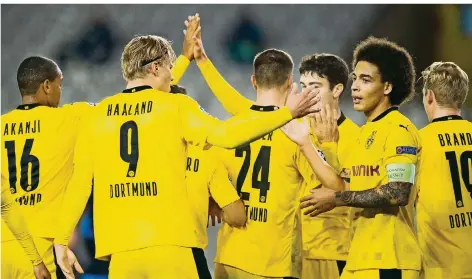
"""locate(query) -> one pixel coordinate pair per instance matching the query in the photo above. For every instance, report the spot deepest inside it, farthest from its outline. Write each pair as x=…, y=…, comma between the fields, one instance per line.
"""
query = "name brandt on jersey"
x=460, y=220
x=129, y=109
x=454, y=139
x=256, y=213
x=22, y=128
x=138, y=189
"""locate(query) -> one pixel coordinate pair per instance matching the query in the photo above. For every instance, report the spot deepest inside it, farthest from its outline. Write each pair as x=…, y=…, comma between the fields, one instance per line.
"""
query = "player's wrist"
x=188, y=55
x=201, y=60
x=338, y=199
x=305, y=144
x=37, y=262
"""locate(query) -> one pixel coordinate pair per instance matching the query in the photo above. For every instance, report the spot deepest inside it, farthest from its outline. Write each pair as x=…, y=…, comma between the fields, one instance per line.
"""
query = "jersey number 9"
x=129, y=152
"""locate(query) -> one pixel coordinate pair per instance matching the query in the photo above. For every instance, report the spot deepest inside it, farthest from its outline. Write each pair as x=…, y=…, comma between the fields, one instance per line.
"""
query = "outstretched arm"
x=232, y=101
x=202, y=129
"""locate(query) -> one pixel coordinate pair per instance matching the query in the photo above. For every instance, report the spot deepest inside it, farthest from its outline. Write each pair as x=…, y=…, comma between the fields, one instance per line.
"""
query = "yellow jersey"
x=269, y=175
x=134, y=146
x=207, y=176
x=37, y=154
x=326, y=236
x=384, y=238
x=444, y=205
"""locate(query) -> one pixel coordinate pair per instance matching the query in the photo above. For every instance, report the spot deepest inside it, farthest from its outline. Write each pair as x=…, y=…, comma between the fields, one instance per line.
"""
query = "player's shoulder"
x=345, y=123
x=79, y=107
x=35, y=110
x=182, y=99
x=397, y=122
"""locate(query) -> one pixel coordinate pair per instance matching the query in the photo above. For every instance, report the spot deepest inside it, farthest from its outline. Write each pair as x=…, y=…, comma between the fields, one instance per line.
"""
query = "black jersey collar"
x=447, y=117
x=341, y=119
x=264, y=108
x=28, y=106
x=383, y=114
x=136, y=89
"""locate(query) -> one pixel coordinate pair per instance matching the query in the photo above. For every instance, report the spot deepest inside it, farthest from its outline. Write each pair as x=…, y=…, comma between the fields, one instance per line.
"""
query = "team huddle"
x=301, y=190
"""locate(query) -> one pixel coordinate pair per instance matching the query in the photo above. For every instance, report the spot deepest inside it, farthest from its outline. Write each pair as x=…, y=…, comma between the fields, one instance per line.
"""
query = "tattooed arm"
x=390, y=194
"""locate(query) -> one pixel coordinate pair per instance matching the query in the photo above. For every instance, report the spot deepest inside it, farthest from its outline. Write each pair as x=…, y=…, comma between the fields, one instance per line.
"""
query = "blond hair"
x=449, y=83
x=141, y=51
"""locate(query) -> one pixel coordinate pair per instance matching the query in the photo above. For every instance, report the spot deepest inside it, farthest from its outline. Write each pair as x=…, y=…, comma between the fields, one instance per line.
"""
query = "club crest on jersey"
x=370, y=140
x=406, y=150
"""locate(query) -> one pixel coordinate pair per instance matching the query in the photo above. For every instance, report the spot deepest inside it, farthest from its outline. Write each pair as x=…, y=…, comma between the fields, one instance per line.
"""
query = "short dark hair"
x=326, y=65
x=177, y=89
x=394, y=63
x=33, y=71
x=272, y=68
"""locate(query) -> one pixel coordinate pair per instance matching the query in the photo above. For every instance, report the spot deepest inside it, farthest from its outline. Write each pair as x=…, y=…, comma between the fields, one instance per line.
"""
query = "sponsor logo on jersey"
x=365, y=170
x=406, y=150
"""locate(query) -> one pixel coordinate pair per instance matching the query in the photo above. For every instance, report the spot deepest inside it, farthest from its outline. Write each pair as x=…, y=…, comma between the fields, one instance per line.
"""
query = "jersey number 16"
x=27, y=160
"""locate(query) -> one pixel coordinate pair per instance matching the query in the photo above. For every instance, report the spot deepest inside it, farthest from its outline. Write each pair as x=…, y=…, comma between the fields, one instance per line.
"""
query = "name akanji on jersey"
x=37, y=161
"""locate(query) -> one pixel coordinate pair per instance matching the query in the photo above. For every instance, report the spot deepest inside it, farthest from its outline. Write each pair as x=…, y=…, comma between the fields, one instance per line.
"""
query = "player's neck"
x=29, y=99
x=378, y=110
x=335, y=105
x=143, y=82
x=440, y=112
x=270, y=97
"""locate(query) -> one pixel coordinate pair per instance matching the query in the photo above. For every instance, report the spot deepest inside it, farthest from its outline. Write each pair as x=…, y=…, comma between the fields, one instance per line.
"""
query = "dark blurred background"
x=87, y=41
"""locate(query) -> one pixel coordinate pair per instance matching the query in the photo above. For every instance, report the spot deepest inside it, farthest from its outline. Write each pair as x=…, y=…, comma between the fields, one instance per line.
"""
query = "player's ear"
x=46, y=86
x=253, y=82
x=387, y=88
x=430, y=98
x=337, y=90
x=289, y=83
x=154, y=68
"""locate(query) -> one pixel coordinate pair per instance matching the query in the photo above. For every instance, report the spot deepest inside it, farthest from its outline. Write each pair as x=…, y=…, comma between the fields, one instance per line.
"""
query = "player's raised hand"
x=319, y=201
x=41, y=272
x=198, y=50
x=298, y=131
x=192, y=25
x=66, y=259
x=303, y=103
x=326, y=125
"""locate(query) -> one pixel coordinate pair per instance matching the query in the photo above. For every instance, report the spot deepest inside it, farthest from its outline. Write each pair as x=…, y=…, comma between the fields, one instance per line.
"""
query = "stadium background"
x=87, y=41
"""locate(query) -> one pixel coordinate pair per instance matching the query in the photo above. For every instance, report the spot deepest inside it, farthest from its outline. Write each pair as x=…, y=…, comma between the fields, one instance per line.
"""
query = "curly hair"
x=394, y=63
x=326, y=65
